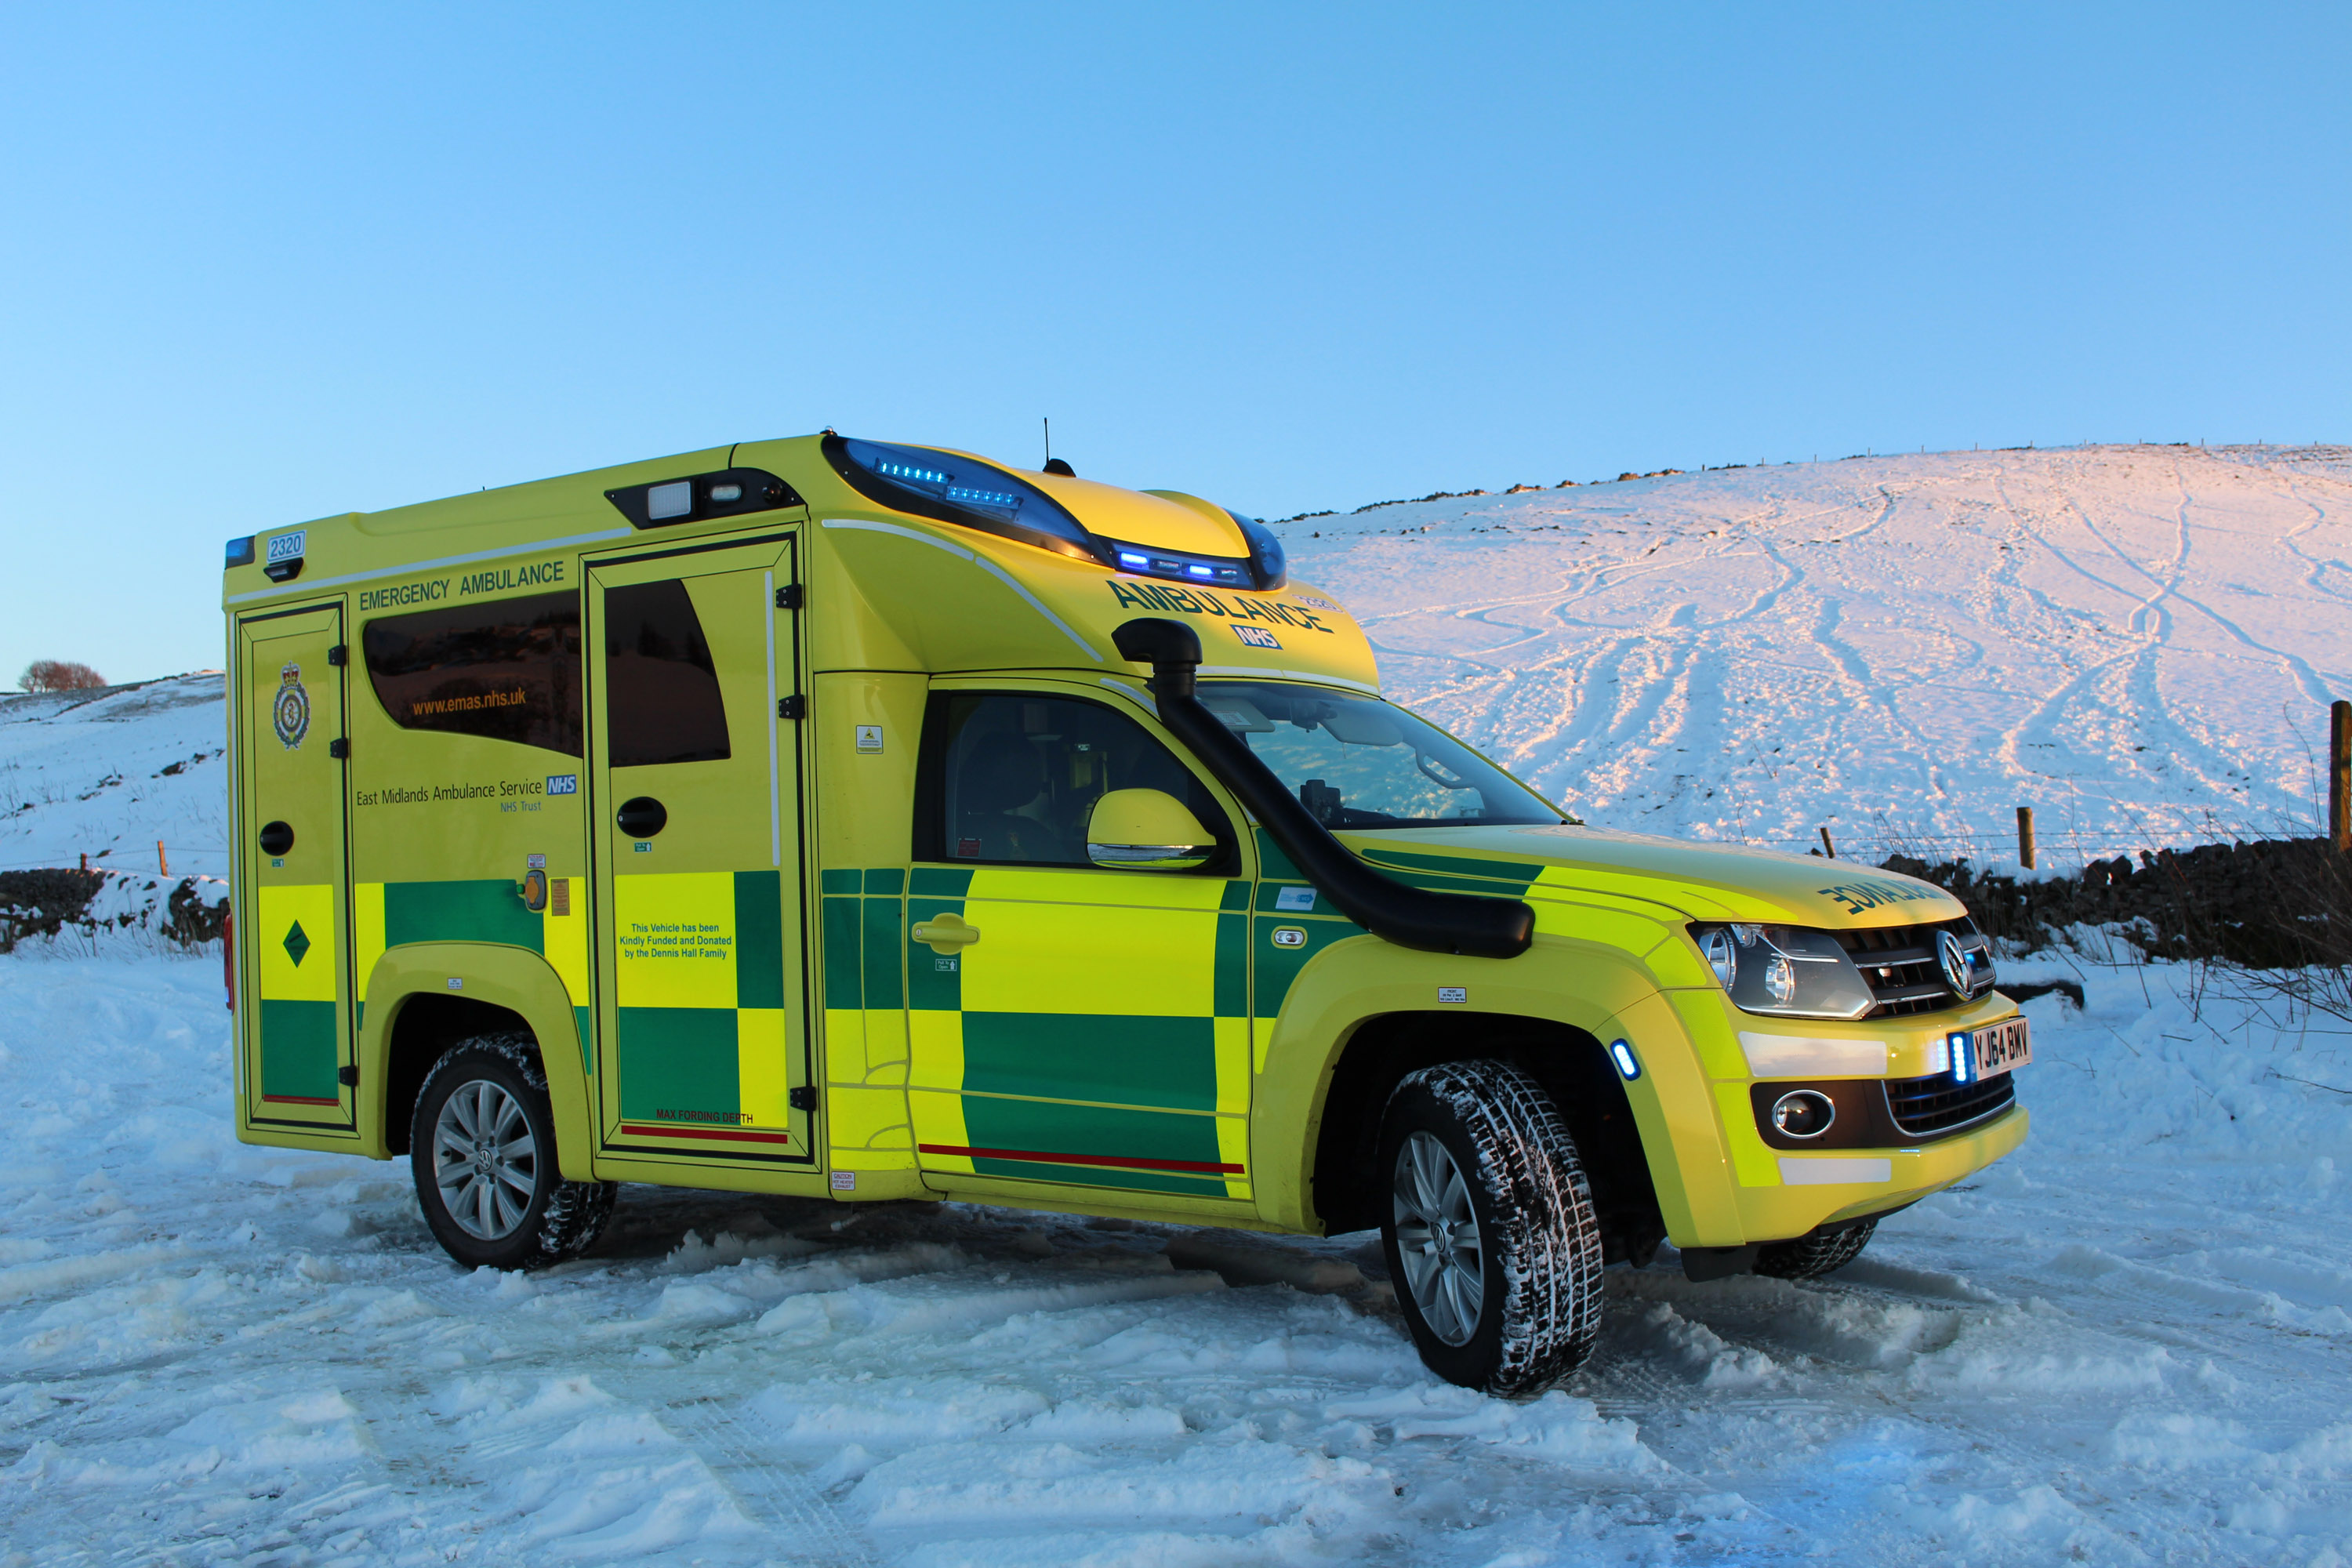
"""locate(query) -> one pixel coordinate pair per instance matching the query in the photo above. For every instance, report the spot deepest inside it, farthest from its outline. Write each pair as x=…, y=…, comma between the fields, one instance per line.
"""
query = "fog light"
x=1802, y=1113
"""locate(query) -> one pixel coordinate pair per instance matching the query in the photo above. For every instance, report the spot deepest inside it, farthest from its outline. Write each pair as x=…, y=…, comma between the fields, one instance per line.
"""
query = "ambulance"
x=865, y=822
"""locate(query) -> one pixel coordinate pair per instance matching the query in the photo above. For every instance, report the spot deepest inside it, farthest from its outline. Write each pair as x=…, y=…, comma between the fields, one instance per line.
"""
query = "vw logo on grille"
x=1955, y=963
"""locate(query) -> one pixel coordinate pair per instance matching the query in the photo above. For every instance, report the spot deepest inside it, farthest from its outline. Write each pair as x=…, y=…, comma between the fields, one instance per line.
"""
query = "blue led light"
x=1964, y=1058
x=1622, y=1054
x=1130, y=558
x=1197, y=570
x=909, y=471
x=971, y=497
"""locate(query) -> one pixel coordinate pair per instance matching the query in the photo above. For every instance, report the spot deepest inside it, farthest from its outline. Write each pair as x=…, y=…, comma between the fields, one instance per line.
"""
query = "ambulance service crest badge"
x=292, y=715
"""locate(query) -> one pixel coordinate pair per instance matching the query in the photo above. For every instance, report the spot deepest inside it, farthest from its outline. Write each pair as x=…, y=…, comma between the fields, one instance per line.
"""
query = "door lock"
x=943, y=934
x=804, y=1097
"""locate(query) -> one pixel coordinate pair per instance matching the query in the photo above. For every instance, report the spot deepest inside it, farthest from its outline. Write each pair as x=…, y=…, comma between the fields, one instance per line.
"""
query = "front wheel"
x=1490, y=1234
x=482, y=1149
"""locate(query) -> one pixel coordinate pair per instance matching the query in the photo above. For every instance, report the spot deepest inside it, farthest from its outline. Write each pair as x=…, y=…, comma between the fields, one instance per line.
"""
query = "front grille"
x=1923, y=1106
x=1899, y=962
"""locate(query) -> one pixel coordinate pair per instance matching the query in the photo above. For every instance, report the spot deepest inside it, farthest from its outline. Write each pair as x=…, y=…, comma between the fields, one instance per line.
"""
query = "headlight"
x=1786, y=970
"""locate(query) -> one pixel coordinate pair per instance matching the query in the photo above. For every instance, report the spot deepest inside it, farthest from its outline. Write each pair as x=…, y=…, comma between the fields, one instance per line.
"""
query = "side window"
x=1011, y=777
x=508, y=669
x=662, y=703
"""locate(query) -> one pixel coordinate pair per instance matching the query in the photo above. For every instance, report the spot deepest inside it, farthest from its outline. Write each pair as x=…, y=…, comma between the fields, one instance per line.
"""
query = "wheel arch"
x=424, y=997
x=1364, y=1012
x=1570, y=1063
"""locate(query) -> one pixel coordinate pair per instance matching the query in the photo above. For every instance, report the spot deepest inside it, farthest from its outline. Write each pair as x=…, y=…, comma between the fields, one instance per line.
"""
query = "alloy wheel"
x=1437, y=1239
x=484, y=1159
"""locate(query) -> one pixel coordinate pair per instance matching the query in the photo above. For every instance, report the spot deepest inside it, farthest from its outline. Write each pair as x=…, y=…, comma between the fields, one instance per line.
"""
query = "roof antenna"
x=1055, y=464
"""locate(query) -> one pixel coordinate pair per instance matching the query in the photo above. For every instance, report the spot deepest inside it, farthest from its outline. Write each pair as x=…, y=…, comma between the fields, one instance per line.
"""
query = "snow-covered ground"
x=2126, y=1344
x=2139, y=642
x=2129, y=1343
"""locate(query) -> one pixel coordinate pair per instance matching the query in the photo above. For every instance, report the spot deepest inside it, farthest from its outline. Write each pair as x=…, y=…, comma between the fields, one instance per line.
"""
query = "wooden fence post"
x=1828, y=848
x=2025, y=837
x=162, y=862
x=2339, y=775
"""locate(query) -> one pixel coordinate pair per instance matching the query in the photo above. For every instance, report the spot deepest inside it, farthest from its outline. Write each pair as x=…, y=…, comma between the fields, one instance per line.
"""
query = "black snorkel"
x=1410, y=917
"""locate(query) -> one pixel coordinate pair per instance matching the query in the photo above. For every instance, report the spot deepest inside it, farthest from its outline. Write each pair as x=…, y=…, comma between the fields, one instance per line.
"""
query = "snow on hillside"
x=2123, y=1345
x=107, y=774
x=2140, y=642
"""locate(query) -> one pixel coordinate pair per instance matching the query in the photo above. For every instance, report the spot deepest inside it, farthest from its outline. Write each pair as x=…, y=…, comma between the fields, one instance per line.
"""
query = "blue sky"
x=261, y=264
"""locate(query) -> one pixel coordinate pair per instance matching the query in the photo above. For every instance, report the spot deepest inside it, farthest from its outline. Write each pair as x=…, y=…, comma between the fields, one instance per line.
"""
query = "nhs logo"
x=563, y=784
x=1257, y=637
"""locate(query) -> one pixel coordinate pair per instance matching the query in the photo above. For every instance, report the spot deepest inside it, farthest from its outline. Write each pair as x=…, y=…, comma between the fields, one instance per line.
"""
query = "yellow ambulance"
x=851, y=819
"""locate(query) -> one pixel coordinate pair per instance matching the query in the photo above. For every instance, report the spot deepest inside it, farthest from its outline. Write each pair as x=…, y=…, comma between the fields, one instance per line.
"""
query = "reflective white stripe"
x=1814, y=1172
x=918, y=535
x=406, y=568
x=982, y=562
x=1036, y=603
x=1800, y=1056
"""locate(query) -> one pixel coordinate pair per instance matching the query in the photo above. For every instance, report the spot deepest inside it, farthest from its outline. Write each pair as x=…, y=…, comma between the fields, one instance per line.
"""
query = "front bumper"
x=1811, y=1190
x=1731, y=1190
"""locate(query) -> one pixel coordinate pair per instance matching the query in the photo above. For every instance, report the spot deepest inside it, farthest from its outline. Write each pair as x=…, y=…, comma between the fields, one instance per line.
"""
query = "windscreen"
x=1358, y=761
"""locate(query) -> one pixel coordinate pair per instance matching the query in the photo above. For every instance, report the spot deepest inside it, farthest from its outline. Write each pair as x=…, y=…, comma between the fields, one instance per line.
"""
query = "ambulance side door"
x=703, y=1038
x=293, y=930
x=1068, y=1024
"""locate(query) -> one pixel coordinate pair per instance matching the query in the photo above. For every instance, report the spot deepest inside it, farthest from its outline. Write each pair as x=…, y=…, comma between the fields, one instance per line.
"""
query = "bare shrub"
x=59, y=675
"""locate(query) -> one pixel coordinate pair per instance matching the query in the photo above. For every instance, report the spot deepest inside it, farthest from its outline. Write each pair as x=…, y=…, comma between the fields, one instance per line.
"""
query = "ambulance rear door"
x=703, y=1038
x=293, y=928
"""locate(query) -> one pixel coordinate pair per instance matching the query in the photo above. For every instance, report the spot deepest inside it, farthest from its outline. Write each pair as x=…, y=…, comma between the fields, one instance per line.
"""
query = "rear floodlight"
x=676, y=499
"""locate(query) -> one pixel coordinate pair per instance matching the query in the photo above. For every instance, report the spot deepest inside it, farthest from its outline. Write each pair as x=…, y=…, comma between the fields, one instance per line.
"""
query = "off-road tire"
x=1540, y=1310
x=1811, y=1257
x=563, y=1218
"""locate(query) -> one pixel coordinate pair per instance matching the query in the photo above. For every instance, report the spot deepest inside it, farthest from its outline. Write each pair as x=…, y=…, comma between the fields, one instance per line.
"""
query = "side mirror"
x=1144, y=830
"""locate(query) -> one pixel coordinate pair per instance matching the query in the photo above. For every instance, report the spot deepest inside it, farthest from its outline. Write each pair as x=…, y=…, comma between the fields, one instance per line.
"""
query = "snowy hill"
x=107, y=774
x=2140, y=642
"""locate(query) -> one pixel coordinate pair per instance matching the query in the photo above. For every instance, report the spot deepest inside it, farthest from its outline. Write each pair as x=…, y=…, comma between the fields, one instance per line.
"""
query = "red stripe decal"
x=295, y=1099
x=1200, y=1166
x=731, y=1134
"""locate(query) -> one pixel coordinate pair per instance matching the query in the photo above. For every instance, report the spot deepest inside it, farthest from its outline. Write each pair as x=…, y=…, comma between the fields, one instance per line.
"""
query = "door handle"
x=945, y=933
x=641, y=816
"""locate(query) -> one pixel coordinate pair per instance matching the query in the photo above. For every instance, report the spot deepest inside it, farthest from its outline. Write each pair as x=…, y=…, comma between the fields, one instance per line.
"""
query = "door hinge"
x=804, y=1098
x=341, y=654
x=789, y=597
x=793, y=707
x=348, y=1077
x=340, y=749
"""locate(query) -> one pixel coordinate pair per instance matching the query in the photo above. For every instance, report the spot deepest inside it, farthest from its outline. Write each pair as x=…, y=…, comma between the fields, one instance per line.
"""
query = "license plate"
x=1994, y=1050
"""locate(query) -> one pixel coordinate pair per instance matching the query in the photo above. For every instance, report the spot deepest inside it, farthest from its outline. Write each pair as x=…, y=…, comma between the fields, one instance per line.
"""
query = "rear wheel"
x=1490, y=1234
x=1809, y=1256
x=482, y=1149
